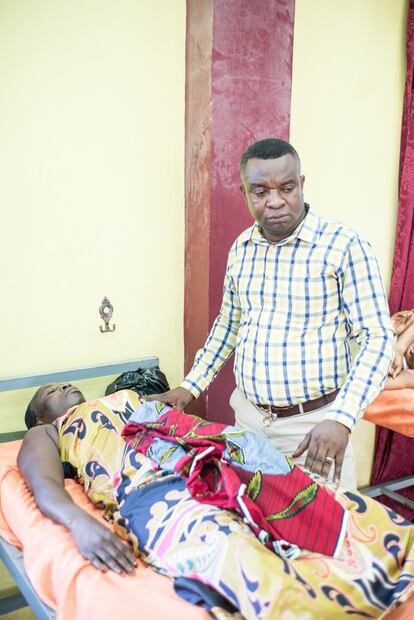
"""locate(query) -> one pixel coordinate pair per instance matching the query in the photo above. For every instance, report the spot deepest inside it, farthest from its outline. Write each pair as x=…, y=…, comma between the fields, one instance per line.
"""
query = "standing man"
x=297, y=291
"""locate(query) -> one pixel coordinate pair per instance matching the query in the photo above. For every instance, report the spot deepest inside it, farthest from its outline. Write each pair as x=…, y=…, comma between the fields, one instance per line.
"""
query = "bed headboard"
x=73, y=374
x=5, y=437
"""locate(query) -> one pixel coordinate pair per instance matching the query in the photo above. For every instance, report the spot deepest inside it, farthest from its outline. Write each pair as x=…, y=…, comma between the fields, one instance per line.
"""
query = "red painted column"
x=239, y=66
x=197, y=180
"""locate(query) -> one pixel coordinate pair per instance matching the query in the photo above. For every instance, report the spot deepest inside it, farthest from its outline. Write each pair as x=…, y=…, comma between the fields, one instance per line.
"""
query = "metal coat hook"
x=106, y=310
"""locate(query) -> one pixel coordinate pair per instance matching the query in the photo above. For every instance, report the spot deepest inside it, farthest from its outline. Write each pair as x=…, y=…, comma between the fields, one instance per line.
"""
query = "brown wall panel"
x=250, y=60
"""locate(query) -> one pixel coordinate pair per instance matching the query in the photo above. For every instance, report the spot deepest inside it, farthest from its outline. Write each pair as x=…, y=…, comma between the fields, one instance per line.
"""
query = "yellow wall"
x=92, y=184
x=347, y=90
x=92, y=161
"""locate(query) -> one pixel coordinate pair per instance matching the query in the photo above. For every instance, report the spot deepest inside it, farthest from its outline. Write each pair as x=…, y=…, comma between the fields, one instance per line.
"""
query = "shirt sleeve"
x=365, y=305
x=221, y=340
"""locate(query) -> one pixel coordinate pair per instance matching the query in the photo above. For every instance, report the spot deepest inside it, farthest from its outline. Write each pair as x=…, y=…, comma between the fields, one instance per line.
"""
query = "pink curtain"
x=394, y=456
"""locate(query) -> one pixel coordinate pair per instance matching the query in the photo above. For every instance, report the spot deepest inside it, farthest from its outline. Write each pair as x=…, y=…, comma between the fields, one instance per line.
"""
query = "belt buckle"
x=269, y=416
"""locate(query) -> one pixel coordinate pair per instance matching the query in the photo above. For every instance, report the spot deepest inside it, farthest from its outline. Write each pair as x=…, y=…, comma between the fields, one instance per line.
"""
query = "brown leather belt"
x=272, y=413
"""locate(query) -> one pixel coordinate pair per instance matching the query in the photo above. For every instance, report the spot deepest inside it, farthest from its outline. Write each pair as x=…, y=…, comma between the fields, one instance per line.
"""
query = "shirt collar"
x=308, y=230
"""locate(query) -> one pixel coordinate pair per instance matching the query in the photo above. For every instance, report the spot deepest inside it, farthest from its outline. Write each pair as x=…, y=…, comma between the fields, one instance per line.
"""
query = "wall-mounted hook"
x=106, y=310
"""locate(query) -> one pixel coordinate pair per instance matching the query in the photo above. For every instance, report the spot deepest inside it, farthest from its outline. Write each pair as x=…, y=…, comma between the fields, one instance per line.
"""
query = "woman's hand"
x=100, y=546
x=40, y=465
x=401, y=320
x=397, y=364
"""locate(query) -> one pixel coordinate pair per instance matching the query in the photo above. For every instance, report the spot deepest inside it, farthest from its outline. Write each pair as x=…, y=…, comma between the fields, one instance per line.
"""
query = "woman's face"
x=52, y=400
x=409, y=356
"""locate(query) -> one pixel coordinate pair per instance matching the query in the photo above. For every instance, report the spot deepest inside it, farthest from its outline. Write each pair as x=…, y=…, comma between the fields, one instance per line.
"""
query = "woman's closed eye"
x=50, y=390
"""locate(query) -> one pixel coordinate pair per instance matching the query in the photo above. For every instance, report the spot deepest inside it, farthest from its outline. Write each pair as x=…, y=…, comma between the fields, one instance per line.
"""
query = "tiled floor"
x=6, y=582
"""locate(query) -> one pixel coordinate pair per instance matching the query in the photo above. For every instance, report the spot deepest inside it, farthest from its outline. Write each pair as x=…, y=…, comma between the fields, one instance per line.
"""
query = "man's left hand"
x=326, y=444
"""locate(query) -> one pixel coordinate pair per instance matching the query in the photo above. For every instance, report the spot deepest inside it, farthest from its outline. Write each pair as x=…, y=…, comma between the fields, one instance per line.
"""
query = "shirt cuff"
x=191, y=387
x=343, y=418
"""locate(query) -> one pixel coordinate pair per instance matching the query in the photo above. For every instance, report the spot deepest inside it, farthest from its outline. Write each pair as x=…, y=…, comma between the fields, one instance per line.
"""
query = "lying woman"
x=203, y=547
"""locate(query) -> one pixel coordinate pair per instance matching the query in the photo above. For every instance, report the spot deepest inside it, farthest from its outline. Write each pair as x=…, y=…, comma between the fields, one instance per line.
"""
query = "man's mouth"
x=275, y=219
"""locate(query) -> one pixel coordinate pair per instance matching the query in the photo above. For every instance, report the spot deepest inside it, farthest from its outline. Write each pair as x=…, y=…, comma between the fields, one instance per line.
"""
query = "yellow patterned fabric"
x=185, y=539
x=372, y=574
x=89, y=439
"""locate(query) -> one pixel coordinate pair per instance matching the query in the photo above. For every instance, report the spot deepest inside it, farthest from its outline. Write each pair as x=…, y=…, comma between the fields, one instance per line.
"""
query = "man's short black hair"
x=269, y=148
x=30, y=416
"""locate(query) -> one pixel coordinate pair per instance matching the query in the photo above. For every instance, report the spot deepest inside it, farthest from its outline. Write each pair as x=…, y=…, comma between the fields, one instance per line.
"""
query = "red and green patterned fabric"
x=227, y=466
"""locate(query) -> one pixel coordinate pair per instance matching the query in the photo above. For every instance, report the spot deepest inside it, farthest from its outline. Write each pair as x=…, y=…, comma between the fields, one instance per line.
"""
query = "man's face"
x=53, y=400
x=273, y=191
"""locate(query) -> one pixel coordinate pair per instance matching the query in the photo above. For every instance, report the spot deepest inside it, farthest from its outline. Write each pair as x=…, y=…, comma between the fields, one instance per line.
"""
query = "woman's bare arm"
x=41, y=467
x=404, y=340
x=403, y=380
x=401, y=320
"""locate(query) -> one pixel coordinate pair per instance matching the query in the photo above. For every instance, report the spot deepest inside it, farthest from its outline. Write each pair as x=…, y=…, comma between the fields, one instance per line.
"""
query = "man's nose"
x=65, y=386
x=275, y=199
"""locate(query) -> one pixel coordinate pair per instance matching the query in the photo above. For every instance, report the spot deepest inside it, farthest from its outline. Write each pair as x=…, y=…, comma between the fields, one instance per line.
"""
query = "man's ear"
x=243, y=191
x=302, y=181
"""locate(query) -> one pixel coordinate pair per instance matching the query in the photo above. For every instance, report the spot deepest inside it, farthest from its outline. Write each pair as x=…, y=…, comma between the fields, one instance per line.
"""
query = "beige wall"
x=92, y=161
x=92, y=185
x=348, y=81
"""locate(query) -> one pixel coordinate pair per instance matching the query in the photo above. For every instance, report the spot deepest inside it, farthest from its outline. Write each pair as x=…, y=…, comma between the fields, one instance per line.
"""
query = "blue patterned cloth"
x=258, y=452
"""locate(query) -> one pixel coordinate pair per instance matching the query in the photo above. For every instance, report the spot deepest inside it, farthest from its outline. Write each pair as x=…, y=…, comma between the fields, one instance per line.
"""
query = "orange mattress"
x=63, y=579
x=67, y=582
x=393, y=409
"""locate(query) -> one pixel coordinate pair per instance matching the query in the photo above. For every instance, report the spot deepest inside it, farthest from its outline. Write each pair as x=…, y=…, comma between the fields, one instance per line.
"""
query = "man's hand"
x=326, y=444
x=178, y=398
x=100, y=546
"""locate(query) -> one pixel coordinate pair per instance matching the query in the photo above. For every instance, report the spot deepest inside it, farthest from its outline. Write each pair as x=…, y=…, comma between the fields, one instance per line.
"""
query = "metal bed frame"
x=24, y=594
x=389, y=489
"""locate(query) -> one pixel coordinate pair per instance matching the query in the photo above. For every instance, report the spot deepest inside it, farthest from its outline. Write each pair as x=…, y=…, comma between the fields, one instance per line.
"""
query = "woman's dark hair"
x=30, y=416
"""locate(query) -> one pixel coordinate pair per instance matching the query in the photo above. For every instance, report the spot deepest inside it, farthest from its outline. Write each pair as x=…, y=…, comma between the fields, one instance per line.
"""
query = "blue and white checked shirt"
x=290, y=312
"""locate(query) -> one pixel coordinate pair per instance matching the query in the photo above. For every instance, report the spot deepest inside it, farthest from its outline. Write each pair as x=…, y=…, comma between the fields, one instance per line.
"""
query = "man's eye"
x=259, y=191
x=288, y=188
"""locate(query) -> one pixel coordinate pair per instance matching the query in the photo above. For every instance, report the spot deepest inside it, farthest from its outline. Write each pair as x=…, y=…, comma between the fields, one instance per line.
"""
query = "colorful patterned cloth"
x=181, y=537
x=229, y=467
x=89, y=440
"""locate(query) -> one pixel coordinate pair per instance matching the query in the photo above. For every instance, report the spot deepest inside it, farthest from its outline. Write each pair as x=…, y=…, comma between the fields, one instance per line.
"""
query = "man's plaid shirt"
x=290, y=312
